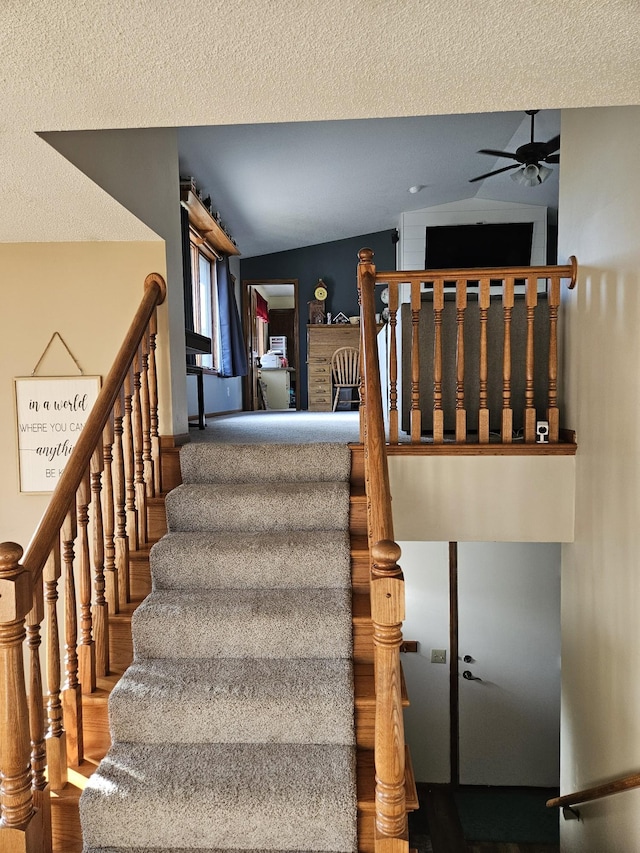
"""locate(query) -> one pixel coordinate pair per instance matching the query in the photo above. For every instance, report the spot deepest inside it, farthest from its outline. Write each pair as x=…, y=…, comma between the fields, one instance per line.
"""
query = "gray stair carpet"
x=233, y=729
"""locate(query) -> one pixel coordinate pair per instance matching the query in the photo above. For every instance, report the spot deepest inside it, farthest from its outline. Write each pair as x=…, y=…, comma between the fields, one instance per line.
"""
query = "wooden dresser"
x=322, y=342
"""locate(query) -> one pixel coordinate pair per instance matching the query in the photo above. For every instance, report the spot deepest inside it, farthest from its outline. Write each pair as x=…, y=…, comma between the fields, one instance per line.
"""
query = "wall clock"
x=320, y=292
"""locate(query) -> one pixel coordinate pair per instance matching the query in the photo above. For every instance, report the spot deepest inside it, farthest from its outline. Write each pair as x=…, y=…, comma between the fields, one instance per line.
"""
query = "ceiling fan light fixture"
x=531, y=175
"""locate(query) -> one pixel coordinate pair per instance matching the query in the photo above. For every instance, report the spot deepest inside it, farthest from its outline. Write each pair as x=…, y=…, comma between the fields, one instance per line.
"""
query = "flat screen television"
x=467, y=246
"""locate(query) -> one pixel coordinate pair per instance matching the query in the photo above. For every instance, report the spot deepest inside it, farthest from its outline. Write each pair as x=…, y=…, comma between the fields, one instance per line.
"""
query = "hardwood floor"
x=439, y=820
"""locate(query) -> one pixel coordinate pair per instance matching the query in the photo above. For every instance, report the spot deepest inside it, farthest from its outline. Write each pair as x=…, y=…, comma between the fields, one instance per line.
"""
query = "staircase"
x=233, y=729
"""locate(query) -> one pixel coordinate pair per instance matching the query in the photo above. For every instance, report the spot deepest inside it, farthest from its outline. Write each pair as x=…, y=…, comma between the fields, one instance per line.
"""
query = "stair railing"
x=387, y=587
x=470, y=288
x=567, y=802
x=96, y=514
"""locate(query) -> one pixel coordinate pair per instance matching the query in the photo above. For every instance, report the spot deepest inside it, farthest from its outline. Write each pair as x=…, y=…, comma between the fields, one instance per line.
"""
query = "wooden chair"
x=345, y=371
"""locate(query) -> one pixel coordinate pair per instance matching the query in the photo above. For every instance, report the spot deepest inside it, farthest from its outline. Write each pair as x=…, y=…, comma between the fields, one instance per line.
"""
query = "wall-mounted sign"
x=51, y=412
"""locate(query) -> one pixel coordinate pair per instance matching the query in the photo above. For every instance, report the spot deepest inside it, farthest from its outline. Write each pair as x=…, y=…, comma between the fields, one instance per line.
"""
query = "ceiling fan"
x=530, y=158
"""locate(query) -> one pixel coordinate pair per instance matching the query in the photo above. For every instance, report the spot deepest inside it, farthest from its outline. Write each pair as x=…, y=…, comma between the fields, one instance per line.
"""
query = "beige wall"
x=600, y=223
x=87, y=292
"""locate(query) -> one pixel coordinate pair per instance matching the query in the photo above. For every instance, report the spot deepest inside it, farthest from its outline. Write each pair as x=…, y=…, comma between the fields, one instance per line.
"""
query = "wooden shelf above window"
x=203, y=221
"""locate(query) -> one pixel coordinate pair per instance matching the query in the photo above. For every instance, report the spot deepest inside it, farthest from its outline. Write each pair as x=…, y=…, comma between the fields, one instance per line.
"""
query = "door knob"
x=470, y=676
x=468, y=659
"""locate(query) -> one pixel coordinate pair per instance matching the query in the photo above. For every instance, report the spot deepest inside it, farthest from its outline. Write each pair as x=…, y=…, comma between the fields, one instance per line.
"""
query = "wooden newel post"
x=20, y=822
x=387, y=611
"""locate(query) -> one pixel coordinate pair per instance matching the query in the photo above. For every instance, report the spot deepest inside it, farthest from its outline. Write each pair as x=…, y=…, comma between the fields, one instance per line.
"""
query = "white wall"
x=426, y=571
x=599, y=222
x=532, y=568
x=470, y=211
x=139, y=168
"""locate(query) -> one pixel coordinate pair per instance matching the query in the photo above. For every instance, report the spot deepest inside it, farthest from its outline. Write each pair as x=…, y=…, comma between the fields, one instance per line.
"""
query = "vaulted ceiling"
x=89, y=64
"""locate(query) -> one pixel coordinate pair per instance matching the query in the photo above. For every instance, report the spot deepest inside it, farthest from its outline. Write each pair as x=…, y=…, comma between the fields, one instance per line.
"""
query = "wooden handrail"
x=625, y=783
x=569, y=271
x=64, y=494
x=387, y=589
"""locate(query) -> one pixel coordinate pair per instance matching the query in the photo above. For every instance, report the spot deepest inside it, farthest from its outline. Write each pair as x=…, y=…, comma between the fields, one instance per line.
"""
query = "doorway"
x=505, y=663
x=270, y=318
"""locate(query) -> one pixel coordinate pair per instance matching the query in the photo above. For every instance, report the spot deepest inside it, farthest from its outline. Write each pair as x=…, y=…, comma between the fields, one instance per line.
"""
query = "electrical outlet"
x=438, y=655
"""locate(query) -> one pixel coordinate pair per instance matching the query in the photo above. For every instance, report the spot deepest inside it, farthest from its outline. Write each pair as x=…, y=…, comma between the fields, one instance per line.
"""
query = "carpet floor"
x=233, y=729
x=279, y=428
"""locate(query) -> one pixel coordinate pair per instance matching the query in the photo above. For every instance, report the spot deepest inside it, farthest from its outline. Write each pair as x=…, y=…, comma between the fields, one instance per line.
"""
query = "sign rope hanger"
x=46, y=350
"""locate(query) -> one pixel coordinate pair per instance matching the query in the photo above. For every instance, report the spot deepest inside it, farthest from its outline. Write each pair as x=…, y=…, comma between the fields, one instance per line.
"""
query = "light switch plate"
x=438, y=655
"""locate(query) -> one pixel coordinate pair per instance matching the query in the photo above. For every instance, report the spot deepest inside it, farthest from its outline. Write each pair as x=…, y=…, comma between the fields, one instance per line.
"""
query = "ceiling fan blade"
x=552, y=145
x=496, y=172
x=499, y=153
x=552, y=158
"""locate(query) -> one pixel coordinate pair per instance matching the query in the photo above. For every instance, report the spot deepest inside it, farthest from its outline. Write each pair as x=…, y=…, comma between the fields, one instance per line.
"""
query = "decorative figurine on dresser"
x=317, y=313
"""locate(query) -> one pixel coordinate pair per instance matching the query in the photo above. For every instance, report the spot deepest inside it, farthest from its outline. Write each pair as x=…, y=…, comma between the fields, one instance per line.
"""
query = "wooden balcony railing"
x=387, y=588
x=97, y=514
x=478, y=351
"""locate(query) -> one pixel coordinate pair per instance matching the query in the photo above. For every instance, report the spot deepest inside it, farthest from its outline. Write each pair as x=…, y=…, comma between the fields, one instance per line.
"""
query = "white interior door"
x=509, y=630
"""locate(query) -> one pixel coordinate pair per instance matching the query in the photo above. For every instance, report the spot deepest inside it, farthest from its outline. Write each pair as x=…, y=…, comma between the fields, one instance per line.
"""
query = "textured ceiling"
x=281, y=186
x=96, y=64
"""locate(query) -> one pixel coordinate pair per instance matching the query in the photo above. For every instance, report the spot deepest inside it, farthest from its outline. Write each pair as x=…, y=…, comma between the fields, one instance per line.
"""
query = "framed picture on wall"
x=51, y=412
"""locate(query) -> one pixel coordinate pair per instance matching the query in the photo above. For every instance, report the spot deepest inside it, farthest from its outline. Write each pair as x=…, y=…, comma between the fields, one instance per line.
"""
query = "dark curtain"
x=186, y=277
x=233, y=360
x=262, y=308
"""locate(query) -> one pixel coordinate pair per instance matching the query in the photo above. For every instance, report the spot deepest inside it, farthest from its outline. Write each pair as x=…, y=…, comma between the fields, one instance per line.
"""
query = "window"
x=205, y=299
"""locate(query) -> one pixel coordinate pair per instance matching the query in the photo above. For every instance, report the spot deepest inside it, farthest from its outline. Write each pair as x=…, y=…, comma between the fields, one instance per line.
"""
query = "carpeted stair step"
x=223, y=796
x=207, y=560
x=234, y=701
x=251, y=506
x=264, y=463
x=238, y=623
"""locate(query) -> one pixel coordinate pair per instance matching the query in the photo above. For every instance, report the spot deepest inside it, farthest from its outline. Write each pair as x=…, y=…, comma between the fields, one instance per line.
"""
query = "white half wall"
x=483, y=498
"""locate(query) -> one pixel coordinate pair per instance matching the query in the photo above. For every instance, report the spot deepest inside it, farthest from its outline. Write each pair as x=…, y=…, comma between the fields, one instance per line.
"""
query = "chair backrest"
x=345, y=366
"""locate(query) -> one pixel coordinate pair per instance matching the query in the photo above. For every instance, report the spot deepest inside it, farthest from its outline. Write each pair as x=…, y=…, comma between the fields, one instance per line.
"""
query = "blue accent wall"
x=335, y=263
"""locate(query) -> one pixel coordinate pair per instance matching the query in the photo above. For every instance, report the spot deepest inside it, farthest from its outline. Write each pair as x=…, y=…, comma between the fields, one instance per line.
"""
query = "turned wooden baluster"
x=109, y=520
x=153, y=405
x=121, y=540
x=129, y=463
x=20, y=823
x=393, y=363
x=483, y=411
x=553, y=412
x=147, y=457
x=100, y=610
x=531, y=300
x=56, y=735
x=362, y=411
x=86, y=647
x=415, y=414
x=507, y=411
x=140, y=489
x=438, y=413
x=72, y=691
x=461, y=412
x=39, y=785
x=387, y=613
